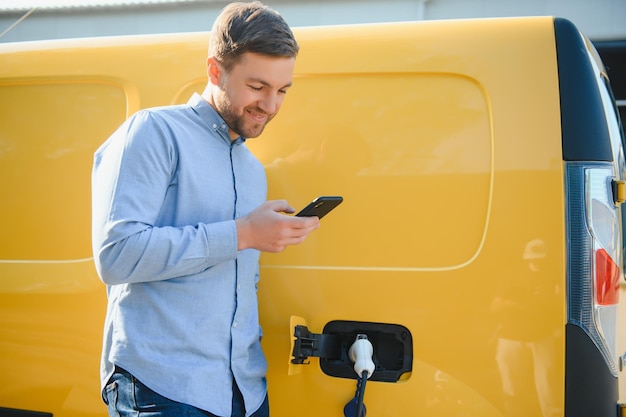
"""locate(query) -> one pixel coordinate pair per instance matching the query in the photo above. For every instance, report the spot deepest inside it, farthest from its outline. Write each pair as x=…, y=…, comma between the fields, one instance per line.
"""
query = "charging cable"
x=361, y=353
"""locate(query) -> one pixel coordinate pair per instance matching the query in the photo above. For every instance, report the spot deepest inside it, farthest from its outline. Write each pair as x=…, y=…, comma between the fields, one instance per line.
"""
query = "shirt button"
x=235, y=325
x=214, y=125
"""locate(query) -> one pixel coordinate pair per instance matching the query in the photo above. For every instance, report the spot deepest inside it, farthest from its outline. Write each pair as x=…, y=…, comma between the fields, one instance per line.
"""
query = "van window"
x=49, y=133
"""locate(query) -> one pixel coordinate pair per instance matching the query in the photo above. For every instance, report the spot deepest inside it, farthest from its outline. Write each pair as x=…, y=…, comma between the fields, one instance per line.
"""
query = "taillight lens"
x=594, y=254
x=607, y=279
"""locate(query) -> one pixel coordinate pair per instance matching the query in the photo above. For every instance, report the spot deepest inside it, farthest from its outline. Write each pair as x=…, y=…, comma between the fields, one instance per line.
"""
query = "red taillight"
x=607, y=279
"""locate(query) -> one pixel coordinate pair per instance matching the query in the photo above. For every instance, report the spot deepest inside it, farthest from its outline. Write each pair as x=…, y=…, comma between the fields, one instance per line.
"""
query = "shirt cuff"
x=222, y=242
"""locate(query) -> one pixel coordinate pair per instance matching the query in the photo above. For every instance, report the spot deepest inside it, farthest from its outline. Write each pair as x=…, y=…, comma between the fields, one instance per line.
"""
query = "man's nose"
x=270, y=103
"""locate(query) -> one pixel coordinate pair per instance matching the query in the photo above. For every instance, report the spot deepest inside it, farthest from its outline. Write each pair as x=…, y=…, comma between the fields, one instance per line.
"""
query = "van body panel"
x=444, y=138
x=475, y=161
x=29, y=110
x=383, y=158
x=50, y=336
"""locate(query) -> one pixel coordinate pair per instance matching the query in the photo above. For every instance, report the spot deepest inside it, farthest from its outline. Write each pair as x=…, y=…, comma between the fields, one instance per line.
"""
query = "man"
x=179, y=218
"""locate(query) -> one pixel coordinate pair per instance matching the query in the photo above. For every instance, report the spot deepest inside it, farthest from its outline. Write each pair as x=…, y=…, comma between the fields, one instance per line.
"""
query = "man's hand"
x=267, y=230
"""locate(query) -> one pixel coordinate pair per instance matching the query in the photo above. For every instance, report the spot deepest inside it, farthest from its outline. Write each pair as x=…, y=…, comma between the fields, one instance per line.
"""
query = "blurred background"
x=50, y=19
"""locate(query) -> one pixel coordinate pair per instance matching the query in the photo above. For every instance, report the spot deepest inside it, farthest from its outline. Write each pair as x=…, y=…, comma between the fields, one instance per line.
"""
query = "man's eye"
x=255, y=88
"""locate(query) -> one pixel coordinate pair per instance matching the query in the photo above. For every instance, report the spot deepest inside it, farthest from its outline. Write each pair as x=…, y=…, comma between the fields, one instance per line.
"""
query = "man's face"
x=251, y=93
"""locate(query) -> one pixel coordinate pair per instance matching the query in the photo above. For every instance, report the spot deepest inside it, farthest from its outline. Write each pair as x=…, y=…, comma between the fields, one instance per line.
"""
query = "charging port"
x=393, y=350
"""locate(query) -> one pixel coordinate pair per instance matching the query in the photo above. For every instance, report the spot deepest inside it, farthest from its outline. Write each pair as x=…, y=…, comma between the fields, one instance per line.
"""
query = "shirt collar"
x=212, y=118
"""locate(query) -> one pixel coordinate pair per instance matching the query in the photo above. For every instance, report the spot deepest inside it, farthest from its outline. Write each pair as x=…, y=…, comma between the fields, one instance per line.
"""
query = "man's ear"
x=214, y=71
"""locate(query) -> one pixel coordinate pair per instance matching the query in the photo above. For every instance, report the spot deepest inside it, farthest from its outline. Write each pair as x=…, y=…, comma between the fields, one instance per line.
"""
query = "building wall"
x=599, y=19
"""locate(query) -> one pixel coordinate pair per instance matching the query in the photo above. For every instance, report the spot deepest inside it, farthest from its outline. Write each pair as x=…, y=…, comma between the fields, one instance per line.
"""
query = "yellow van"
x=478, y=248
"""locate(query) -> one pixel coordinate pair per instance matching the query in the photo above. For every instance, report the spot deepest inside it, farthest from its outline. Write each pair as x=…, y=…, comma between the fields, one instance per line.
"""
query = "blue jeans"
x=126, y=396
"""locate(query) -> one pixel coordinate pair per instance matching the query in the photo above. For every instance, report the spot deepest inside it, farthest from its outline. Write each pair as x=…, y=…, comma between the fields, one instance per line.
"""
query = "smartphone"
x=321, y=206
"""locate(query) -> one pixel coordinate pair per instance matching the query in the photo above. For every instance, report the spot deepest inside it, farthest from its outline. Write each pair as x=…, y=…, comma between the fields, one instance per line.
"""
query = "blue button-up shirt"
x=182, y=312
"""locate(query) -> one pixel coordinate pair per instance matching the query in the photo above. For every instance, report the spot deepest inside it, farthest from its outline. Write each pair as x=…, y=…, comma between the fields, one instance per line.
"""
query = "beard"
x=238, y=122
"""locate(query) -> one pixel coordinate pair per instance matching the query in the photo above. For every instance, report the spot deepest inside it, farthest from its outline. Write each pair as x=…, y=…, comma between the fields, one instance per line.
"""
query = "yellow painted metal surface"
x=441, y=156
x=442, y=137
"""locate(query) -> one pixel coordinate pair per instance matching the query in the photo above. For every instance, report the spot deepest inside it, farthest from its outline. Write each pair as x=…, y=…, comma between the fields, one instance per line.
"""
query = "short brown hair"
x=250, y=27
